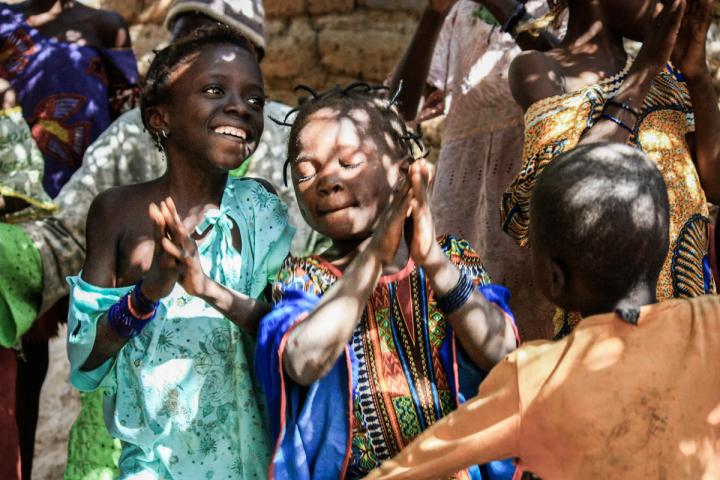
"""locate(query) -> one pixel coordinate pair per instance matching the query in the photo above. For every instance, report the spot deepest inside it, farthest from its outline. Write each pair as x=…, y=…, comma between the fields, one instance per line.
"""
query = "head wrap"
x=246, y=16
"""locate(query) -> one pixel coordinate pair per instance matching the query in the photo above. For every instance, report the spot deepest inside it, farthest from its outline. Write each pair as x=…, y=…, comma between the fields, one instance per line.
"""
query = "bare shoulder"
x=265, y=184
x=534, y=76
x=111, y=213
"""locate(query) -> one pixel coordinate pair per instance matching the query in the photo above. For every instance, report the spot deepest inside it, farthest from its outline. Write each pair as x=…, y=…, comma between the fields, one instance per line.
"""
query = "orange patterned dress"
x=555, y=124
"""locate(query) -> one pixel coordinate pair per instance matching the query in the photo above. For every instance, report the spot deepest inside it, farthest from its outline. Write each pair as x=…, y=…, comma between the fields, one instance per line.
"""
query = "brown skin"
x=414, y=66
x=219, y=85
x=592, y=50
x=352, y=189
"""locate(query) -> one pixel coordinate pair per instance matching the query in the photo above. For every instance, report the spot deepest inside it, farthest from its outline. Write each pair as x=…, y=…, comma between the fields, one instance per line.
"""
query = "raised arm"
x=100, y=271
x=482, y=328
x=690, y=56
x=414, y=66
x=314, y=344
x=616, y=123
x=244, y=311
x=485, y=428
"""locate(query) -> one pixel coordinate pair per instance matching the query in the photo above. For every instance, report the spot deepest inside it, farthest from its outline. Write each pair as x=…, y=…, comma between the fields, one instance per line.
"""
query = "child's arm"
x=482, y=328
x=100, y=270
x=690, y=57
x=485, y=428
x=244, y=311
x=315, y=343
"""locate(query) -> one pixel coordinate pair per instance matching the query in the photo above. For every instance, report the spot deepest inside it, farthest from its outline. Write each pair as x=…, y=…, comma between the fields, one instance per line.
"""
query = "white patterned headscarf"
x=247, y=16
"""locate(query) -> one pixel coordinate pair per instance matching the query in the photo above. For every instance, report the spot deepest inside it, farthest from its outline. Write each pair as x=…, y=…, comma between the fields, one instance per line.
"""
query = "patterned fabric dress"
x=481, y=152
x=69, y=93
x=181, y=396
x=402, y=359
x=555, y=124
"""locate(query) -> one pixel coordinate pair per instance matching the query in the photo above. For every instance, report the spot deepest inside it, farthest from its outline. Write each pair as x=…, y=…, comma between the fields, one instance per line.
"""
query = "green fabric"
x=20, y=283
x=92, y=453
x=242, y=169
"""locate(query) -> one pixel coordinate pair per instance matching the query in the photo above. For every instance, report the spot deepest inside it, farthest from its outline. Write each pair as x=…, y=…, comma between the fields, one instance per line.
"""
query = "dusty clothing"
x=481, y=152
x=609, y=401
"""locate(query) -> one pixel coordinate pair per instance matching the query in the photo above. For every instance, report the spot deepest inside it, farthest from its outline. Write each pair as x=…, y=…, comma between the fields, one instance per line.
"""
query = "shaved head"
x=601, y=212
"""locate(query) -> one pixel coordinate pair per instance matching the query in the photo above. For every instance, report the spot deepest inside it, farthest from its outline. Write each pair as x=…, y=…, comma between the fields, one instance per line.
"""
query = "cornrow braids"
x=535, y=26
x=377, y=101
x=156, y=87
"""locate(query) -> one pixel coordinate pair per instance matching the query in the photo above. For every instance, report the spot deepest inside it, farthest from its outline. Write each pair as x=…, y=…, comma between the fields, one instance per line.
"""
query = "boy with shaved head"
x=634, y=391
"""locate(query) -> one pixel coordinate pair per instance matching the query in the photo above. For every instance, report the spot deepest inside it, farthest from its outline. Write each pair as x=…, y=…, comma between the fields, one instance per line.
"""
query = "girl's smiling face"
x=344, y=172
x=215, y=107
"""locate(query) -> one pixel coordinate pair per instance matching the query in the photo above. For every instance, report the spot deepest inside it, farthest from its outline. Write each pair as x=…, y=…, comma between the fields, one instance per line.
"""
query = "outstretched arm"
x=483, y=429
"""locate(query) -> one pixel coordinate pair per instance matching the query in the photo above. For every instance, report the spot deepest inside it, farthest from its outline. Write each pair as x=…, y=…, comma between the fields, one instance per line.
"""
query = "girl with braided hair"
x=662, y=102
x=164, y=311
x=379, y=337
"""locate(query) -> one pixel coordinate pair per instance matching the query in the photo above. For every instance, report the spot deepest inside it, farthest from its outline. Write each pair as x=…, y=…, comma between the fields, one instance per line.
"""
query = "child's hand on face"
x=386, y=237
x=689, y=52
x=183, y=249
x=164, y=272
x=422, y=237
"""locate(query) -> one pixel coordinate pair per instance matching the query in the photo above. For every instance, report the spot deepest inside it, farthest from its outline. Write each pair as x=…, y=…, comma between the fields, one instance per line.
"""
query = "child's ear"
x=157, y=119
x=558, y=281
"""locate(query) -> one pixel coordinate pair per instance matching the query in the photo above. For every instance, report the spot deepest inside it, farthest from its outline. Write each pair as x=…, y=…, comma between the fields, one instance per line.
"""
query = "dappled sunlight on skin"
x=343, y=171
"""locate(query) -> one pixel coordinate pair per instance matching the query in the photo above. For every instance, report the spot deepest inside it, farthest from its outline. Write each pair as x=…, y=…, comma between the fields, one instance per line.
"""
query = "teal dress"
x=181, y=396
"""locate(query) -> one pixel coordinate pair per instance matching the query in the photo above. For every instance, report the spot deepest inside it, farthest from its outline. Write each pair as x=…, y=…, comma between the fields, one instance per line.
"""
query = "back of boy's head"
x=384, y=120
x=601, y=212
x=156, y=88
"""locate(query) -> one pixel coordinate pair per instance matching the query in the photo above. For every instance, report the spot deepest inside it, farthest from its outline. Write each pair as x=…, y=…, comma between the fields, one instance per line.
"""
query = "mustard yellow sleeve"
x=483, y=429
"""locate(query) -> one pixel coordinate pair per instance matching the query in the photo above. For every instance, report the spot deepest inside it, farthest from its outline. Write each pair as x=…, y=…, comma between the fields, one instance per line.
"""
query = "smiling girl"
x=362, y=349
x=164, y=310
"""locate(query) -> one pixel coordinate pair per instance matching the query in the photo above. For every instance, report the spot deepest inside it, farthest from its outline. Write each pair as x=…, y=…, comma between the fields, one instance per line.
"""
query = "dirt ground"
x=59, y=406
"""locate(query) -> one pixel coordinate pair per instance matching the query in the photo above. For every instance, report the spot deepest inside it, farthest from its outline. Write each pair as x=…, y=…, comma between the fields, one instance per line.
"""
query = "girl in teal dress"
x=164, y=313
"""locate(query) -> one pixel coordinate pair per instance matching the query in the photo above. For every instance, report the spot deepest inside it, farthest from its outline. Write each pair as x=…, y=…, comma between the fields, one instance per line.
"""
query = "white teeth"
x=232, y=131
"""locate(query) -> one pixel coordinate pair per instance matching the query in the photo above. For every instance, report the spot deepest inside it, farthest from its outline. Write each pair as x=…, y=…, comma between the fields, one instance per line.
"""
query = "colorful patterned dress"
x=69, y=93
x=555, y=124
x=399, y=373
x=181, y=396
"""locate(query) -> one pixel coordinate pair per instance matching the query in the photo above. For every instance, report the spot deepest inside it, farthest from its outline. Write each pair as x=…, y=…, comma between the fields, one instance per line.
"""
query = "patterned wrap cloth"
x=555, y=124
x=65, y=112
x=398, y=375
x=181, y=396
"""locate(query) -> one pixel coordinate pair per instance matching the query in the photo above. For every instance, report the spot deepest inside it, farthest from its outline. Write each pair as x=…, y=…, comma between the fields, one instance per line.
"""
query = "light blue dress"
x=181, y=396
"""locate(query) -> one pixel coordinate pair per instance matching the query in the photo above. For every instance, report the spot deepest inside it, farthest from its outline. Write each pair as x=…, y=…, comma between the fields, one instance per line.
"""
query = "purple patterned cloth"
x=69, y=93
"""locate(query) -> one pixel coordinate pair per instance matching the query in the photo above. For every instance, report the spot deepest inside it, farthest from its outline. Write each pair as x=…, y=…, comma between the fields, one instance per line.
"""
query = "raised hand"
x=388, y=234
x=164, y=272
x=689, y=52
x=662, y=36
x=183, y=249
x=422, y=239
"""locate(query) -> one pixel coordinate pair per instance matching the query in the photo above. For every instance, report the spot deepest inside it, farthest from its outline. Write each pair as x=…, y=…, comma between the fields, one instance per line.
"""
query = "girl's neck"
x=642, y=294
x=190, y=185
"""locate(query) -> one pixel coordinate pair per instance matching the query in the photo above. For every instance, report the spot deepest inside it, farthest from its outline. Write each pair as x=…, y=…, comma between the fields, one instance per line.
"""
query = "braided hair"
x=376, y=101
x=156, y=87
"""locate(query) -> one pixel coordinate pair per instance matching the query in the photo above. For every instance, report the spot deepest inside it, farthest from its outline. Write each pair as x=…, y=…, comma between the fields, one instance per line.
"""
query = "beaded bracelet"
x=125, y=320
x=616, y=121
x=145, y=304
x=457, y=296
x=624, y=106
